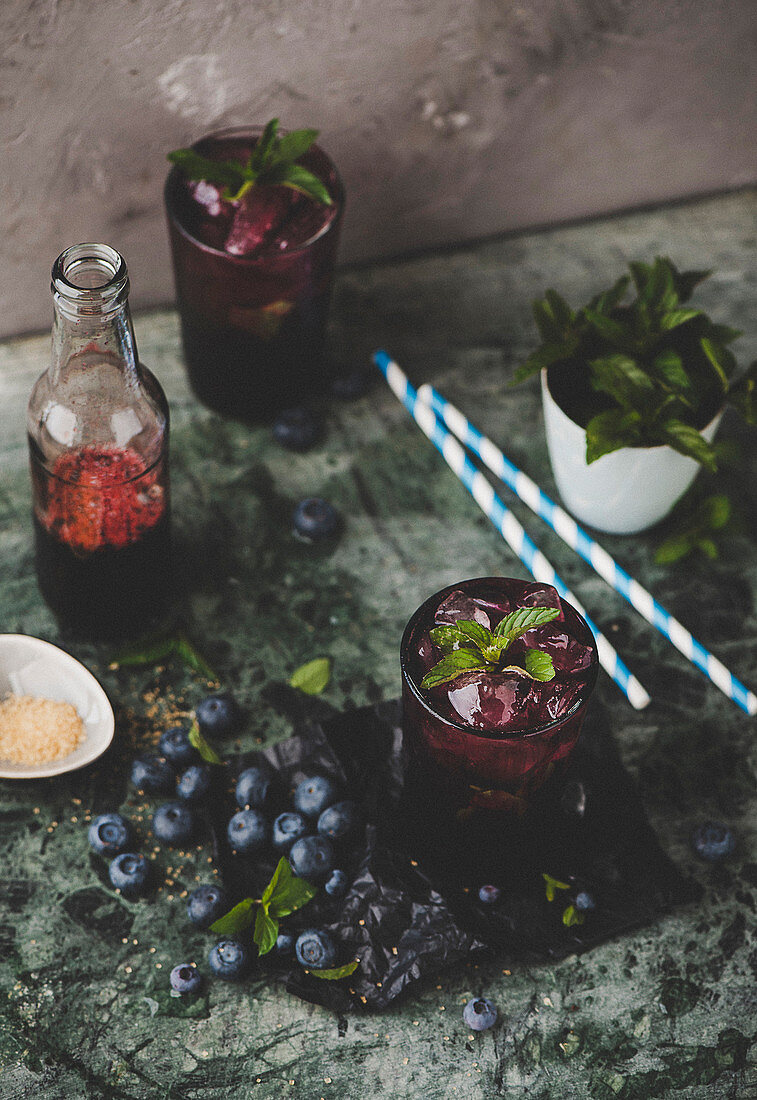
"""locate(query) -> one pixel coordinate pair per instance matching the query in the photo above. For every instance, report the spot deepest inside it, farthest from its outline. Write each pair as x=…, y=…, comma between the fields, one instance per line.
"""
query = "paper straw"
x=505, y=522
x=584, y=545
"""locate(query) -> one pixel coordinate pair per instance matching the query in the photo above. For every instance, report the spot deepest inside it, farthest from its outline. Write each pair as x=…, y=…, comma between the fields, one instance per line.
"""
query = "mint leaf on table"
x=236, y=920
x=206, y=751
x=312, y=677
x=693, y=530
x=553, y=884
x=149, y=651
x=337, y=972
x=266, y=931
x=286, y=893
x=572, y=916
x=272, y=161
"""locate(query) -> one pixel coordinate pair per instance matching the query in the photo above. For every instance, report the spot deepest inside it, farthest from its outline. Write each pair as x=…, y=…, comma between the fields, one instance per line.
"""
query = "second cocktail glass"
x=253, y=312
x=488, y=741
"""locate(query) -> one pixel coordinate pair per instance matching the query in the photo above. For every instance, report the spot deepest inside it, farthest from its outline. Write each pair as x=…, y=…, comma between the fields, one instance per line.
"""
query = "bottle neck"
x=92, y=321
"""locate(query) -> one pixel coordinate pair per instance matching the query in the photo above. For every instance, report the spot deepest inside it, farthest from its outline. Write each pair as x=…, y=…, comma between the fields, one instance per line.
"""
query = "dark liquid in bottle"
x=108, y=593
x=102, y=541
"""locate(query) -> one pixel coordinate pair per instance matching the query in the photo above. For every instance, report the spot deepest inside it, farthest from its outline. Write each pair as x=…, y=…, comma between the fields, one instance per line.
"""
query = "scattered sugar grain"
x=34, y=730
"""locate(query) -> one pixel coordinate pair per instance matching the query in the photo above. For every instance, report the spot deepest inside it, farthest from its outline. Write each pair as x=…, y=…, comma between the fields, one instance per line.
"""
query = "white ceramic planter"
x=622, y=492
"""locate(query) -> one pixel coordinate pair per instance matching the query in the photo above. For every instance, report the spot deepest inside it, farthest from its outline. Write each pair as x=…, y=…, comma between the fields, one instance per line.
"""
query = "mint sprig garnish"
x=470, y=647
x=283, y=895
x=272, y=161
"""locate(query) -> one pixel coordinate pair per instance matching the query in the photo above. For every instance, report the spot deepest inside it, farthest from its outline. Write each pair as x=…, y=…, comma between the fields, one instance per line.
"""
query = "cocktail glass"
x=466, y=769
x=253, y=325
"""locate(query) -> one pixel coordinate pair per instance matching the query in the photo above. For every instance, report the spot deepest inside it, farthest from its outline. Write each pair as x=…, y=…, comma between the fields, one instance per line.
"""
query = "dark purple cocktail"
x=490, y=734
x=253, y=281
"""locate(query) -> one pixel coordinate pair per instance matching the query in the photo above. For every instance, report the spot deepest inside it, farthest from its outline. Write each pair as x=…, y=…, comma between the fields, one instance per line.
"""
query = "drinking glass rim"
x=246, y=132
x=484, y=735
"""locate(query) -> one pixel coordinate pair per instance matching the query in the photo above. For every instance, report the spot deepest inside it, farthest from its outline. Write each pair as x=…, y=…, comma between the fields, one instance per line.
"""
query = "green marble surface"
x=670, y=1011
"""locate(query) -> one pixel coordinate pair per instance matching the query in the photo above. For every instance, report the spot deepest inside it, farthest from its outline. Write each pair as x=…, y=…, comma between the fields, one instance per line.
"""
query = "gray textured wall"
x=450, y=119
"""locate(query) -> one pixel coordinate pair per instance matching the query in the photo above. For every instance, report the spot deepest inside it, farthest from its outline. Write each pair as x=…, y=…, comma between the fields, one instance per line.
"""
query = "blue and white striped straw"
x=598, y=558
x=505, y=522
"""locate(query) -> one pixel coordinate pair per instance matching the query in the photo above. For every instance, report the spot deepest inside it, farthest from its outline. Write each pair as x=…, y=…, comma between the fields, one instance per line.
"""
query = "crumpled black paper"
x=413, y=907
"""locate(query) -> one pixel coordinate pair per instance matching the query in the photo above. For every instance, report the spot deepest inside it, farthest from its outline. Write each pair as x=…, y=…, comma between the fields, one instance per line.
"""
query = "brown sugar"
x=37, y=731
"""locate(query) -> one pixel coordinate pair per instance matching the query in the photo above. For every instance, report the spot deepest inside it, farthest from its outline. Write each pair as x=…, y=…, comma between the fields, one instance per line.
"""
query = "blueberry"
x=254, y=788
x=186, y=978
x=313, y=795
x=489, y=894
x=312, y=857
x=109, y=834
x=296, y=429
x=315, y=949
x=177, y=748
x=206, y=904
x=218, y=715
x=247, y=831
x=173, y=823
x=352, y=384
x=284, y=944
x=479, y=1014
x=336, y=884
x=152, y=774
x=713, y=841
x=338, y=820
x=584, y=901
x=130, y=873
x=194, y=783
x=287, y=828
x=229, y=960
x=315, y=519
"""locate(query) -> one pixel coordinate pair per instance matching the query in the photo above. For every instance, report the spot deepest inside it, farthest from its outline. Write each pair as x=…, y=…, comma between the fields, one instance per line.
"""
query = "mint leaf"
x=525, y=618
x=610, y=430
x=198, y=742
x=691, y=530
x=192, y=657
x=286, y=893
x=266, y=931
x=539, y=664
x=196, y=167
x=623, y=379
x=149, y=651
x=688, y=441
x=264, y=147
x=720, y=359
x=452, y=666
x=337, y=972
x=553, y=884
x=295, y=144
x=675, y=548
x=449, y=639
x=312, y=677
x=669, y=367
x=236, y=920
x=572, y=916
x=678, y=317
x=300, y=179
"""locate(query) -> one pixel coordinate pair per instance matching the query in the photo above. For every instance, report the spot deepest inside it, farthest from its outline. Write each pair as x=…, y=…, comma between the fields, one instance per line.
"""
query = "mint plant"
x=641, y=373
x=272, y=161
x=470, y=647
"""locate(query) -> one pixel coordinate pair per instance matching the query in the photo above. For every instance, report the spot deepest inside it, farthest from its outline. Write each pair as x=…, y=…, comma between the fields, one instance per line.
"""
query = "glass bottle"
x=98, y=439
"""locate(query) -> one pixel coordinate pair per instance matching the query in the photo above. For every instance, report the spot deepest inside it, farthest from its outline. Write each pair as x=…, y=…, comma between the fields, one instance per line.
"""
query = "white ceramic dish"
x=29, y=666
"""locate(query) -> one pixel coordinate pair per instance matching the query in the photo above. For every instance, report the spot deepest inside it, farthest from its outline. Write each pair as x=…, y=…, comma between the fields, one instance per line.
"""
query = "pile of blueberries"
x=310, y=835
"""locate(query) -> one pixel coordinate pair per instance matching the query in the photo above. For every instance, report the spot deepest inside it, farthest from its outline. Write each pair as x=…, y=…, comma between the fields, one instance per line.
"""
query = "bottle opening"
x=92, y=277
